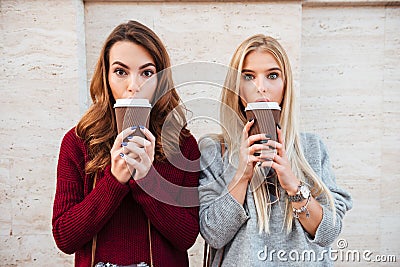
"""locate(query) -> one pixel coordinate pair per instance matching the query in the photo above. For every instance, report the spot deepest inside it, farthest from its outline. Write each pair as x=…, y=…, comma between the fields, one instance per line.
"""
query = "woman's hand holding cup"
x=132, y=155
x=252, y=150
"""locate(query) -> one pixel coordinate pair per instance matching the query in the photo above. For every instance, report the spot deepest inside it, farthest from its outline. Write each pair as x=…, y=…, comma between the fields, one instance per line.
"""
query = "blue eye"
x=273, y=76
x=248, y=77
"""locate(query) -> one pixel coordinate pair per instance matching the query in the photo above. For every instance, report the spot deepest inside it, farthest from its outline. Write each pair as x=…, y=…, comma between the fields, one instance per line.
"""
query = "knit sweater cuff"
x=231, y=205
x=114, y=186
x=147, y=182
x=326, y=231
x=222, y=220
x=231, y=212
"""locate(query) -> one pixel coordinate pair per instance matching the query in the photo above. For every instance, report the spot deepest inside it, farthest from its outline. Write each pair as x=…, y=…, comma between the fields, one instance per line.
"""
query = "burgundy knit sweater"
x=119, y=213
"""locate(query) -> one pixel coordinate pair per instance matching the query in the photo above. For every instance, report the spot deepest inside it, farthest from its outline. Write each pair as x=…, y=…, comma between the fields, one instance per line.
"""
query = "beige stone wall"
x=346, y=62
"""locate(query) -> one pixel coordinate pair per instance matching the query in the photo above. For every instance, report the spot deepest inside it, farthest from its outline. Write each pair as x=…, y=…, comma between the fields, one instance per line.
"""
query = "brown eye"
x=120, y=72
x=148, y=73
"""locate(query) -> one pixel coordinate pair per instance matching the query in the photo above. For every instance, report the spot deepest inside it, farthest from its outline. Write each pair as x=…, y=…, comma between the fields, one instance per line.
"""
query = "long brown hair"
x=98, y=125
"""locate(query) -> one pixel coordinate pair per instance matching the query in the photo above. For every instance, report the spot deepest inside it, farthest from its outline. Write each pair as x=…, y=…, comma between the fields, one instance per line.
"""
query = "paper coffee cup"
x=266, y=116
x=132, y=112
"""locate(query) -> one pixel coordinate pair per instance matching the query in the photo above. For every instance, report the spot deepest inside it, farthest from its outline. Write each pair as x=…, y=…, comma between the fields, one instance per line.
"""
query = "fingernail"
x=279, y=127
x=141, y=127
x=251, y=119
x=268, y=136
x=124, y=144
x=256, y=154
x=129, y=137
x=263, y=141
x=121, y=155
x=133, y=127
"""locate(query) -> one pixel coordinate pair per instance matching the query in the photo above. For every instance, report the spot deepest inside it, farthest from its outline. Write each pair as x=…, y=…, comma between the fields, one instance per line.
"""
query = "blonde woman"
x=242, y=217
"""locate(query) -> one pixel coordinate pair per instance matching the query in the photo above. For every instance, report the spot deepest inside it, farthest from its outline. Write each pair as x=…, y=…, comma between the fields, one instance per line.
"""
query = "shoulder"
x=209, y=143
x=190, y=148
x=71, y=142
x=189, y=141
x=314, y=149
x=72, y=137
x=311, y=142
x=210, y=148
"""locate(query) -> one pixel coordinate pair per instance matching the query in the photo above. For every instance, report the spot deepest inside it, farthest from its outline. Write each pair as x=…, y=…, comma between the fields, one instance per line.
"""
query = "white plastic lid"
x=132, y=102
x=262, y=105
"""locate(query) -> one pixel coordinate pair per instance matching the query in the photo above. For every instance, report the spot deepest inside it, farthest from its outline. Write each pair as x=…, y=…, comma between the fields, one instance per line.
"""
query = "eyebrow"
x=271, y=69
x=141, y=67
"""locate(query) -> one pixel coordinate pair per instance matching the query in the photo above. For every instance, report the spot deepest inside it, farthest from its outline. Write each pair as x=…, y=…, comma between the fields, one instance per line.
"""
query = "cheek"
x=115, y=88
x=242, y=91
x=279, y=91
x=149, y=88
x=243, y=95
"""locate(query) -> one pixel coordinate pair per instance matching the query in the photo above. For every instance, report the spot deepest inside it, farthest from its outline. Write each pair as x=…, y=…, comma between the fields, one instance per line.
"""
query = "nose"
x=261, y=85
x=133, y=85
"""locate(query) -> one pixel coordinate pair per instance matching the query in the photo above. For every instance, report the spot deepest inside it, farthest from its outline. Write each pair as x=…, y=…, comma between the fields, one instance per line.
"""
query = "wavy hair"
x=231, y=134
x=98, y=125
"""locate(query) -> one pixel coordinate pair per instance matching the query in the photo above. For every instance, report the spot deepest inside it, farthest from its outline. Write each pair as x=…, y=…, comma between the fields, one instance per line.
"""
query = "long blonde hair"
x=233, y=125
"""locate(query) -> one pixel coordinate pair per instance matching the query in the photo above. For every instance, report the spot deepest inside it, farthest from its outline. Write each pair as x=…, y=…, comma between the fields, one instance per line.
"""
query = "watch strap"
x=298, y=197
x=295, y=198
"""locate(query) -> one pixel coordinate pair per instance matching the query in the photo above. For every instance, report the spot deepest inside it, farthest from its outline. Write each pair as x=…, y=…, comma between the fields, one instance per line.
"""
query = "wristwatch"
x=303, y=192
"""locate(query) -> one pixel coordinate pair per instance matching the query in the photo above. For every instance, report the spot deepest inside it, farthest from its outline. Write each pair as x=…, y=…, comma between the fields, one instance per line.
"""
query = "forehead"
x=260, y=58
x=129, y=52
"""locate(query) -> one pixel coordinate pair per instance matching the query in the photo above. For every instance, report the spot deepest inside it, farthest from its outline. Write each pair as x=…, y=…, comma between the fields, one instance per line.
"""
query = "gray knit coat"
x=231, y=228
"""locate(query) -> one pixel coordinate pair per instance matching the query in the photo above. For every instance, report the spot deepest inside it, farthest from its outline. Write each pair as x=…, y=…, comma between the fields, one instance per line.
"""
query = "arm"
x=171, y=204
x=76, y=217
x=221, y=215
x=331, y=224
x=222, y=195
x=280, y=163
x=321, y=217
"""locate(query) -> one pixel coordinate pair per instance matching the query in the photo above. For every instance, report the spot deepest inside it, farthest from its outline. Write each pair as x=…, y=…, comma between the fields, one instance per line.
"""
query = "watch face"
x=305, y=192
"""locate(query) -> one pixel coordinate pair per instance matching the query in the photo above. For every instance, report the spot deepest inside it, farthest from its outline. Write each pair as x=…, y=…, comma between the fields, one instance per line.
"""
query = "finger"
x=280, y=135
x=267, y=164
x=271, y=145
x=136, y=167
x=134, y=151
x=262, y=150
x=148, y=134
x=266, y=155
x=253, y=159
x=281, y=149
x=138, y=141
x=132, y=164
x=141, y=143
x=149, y=147
x=246, y=129
x=261, y=138
x=122, y=135
x=120, y=169
x=279, y=160
x=117, y=154
x=145, y=159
